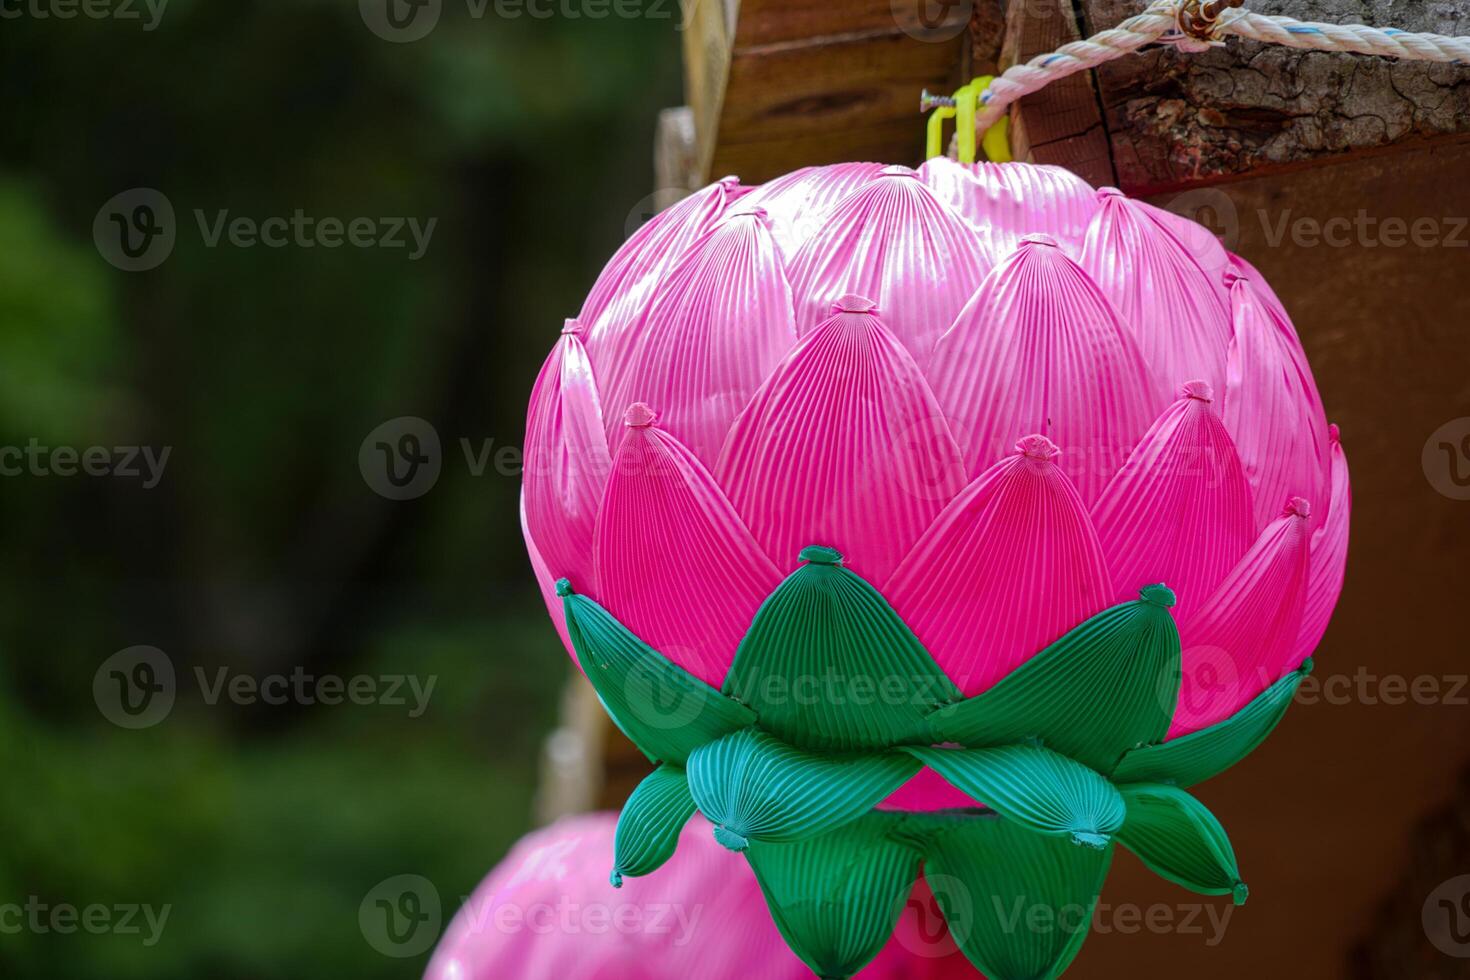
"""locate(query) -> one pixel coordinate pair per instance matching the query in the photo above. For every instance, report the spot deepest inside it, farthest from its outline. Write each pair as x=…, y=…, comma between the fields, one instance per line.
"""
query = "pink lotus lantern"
x=547, y=911
x=945, y=523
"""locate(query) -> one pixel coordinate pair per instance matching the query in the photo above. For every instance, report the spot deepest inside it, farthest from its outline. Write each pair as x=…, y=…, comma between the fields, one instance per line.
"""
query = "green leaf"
x=836, y=898
x=829, y=665
x=1018, y=904
x=1179, y=839
x=1107, y=686
x=665, y=710
x=649, y=826
x=1035, y=787
x=1208, y=752
x=752, y=786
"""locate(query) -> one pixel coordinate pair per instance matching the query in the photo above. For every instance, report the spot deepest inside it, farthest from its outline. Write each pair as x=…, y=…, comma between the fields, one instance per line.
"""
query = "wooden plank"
x=1062, y=123
x=1180, y=119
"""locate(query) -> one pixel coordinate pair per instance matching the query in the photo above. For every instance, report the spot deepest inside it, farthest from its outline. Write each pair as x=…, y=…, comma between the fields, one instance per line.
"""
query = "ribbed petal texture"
x=1039, y=349
x=1269, y=409
x=1328, y=561
x=894, y=242
x=566, y=462
x=1004, y=203
x=1179, y=512
x=843, y=446
x=669, y=541
x=720, y=322
x=1011, y=565
x=1159, y=290
x=1244, y=635
x=799, y=202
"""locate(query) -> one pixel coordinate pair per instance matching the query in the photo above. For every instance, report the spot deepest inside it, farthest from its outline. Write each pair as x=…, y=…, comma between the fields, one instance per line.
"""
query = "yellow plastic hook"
x=995, y=141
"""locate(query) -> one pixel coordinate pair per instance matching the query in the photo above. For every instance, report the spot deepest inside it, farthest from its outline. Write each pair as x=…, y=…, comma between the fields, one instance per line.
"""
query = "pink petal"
x=546, y=582
x=1039, y=349
x=566, y=460
x=1245, y=635
x=1002, y=202
x=892, y=241
x=927, y=791
x=613, y=311
x=721, y=321
x=842, y=446
x=1200, y=242
x=674, y=562
x=798, y=202
x=1328, y=563
x=1179, y=512
x=1271, y=409
x=1009, y=566
x=1159, y=290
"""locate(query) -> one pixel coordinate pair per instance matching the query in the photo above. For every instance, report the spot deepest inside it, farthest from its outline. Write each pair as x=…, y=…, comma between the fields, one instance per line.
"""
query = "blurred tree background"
x=262, y=550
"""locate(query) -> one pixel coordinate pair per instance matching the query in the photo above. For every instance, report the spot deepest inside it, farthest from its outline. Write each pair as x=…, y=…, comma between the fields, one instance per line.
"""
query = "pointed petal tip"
x=1037, y=447
x=817, y=554
x=1038, y=238
x=1095, y=841
x=639, y=416
x=564, y=587
x=1297, y=507
x=1334, y=434
x=1307, y=667
x=1199, y=390
x=1157, y=594
x=854, y=303
x=730, y=840
x=615, y=879
x=1104, y=193
x=571, y=325
x=1239, y=893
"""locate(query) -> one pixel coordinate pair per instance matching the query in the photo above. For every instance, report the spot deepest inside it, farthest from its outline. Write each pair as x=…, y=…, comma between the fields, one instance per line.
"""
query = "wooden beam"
x=1180, y=119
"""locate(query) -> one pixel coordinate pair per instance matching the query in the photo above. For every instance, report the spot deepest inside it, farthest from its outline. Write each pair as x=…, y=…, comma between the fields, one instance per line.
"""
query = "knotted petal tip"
x=1157, y=594
x=572, y=326
x=1103, y=193
x=1095, y=841
x=1297, y=507
x=1333, y=433
x=818, y=554
x=1039, y=238
x=729, y=839
x=1240, y=893
x=616, y=879
x=853, y=303
x=1198, y=390
x=1037, y=447
x=639, y=416
x=563, y=587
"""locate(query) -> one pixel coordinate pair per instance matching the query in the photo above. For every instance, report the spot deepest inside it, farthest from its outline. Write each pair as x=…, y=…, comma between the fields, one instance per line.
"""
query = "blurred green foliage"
x=262, y=549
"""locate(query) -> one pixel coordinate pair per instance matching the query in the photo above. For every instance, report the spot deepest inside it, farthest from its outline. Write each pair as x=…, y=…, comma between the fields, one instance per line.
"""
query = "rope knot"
x=1199, y=22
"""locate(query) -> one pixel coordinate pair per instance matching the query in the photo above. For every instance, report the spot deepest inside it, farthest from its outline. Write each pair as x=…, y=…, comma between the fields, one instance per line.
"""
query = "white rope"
x=1162, y=23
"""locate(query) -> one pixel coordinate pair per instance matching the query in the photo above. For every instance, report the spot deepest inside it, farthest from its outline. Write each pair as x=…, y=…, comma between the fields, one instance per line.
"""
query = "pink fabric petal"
x=927, y=791
x=613, y=311
x=1243, y=638
x=1038, y=348
x=1009, y=566
x=1159, y=290
x=1179, y=512
x=798, y=202
x=1328, y=563
x=892, y=241
x=566, y=461
x=722, y=320
x=1003, y=202
x=547, y=911
x=1271, y=410
x=1199, y=241
x=674, y=562
x=546, y=582
x=843, y=446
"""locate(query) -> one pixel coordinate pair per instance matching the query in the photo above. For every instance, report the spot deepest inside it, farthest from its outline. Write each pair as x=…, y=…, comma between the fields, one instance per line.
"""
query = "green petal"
x=666, y=711
x=829, y=665
x=1035, y=787
x=1107, y=686
x=1210, y=751
x=754, y=787
x=649, y=826
x=1018, y=904
x=1179, y=839
x=836, y=898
